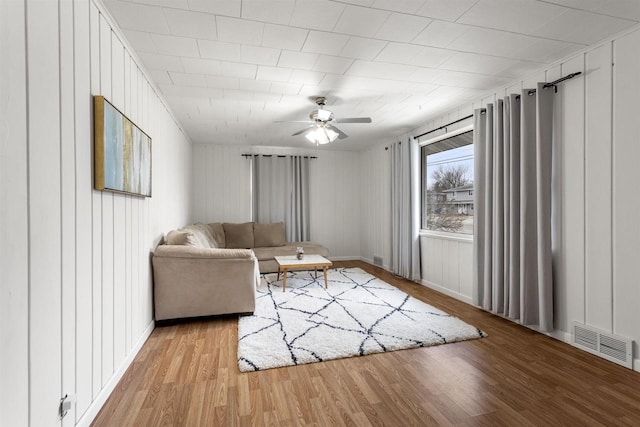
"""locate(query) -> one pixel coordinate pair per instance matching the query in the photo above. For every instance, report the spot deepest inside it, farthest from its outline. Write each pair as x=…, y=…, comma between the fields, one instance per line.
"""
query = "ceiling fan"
x=322, y=129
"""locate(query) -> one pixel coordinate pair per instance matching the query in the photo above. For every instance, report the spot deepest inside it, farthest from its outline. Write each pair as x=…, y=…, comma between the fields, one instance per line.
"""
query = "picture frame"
x=122, y=152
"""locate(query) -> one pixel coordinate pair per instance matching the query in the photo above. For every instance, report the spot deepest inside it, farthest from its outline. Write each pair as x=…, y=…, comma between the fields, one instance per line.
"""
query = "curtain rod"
x=445, y=126
x=554, y=83
x=531, y=92
x=277, y=155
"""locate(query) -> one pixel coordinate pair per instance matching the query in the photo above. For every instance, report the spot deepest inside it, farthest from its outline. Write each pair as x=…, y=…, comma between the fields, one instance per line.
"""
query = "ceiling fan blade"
x=293, y=121
x=302, y=131
x=354, y=120
x=341, y=135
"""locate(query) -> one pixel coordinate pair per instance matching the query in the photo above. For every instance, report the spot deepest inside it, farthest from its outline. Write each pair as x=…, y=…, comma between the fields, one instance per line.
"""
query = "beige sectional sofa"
x=209, y=269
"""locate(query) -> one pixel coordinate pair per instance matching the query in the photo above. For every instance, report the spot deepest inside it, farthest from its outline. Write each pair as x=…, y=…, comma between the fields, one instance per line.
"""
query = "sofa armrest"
x=193, y=282
x=178, y=251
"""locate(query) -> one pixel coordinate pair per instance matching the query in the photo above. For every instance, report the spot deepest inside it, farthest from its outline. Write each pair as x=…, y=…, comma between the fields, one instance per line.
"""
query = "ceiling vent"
x=612, y=347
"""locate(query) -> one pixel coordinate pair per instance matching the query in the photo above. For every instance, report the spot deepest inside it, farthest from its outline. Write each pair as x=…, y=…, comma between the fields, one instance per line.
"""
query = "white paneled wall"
x=222, y=192
x=599, y=240
x=447, y=265
x=375, y=201
x=75, y=302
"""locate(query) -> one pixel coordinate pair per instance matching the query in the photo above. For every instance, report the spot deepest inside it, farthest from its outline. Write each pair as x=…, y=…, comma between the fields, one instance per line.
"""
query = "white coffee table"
x=290, y=262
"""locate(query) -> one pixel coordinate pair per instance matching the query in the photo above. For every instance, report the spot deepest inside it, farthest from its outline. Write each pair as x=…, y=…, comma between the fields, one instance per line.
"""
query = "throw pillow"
x=217, y=231
x=182, y=238
x=238, y=236
x=267, y=235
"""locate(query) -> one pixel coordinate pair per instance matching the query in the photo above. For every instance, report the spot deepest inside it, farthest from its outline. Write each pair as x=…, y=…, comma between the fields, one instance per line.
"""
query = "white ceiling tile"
x=380, y=70
x=239, y=30
x=582, y=27
x=139, y=17
x=286, y=88
x=490, y=42
x=140, y=40
x=432, y=57
x=191, y=24
x=475, y=63
x=222, y=82
x=446, y=10
x=201, y=66
x=520, y=16
x=361, y=21
x=332, y=64
x=154, y=61
x=363, y=48
x=421, y=89
x=217, y=7
x=306, y=77
x=276, y=11
x=189, y=91
x=238, y=69
x=172, y=45
x=274, y=74
x=178, y=4
x=544, y=50
x=302, y=61
x=316, y=14
x=426, y=75
x=628, y=9
x=259, y=55
x=399, y=53
x=520, y=68
x=469, y=80
x=159, y=76
x=185, y=79
x=283, y=37
x=440, y=34
x=254, y=85
x=326, y=43
x=402, y=28
x=404, y=6
x=219, y=50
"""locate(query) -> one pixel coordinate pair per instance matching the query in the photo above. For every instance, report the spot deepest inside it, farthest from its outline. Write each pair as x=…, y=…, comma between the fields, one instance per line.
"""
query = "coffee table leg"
x=325, y=278
x=316, y=271
x=278, y=274
x=284, y=279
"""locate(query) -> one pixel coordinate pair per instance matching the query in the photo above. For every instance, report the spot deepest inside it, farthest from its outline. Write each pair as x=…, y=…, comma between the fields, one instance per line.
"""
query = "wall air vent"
x=612, y=347
x=377, y=260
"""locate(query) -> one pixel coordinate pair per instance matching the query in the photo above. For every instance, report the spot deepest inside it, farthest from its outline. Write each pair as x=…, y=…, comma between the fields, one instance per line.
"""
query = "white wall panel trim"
x=118, y=33
x=449, y=292
x=108, y=388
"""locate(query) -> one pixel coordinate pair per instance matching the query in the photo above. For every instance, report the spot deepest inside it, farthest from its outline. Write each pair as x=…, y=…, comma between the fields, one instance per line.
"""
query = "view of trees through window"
x=447, y=189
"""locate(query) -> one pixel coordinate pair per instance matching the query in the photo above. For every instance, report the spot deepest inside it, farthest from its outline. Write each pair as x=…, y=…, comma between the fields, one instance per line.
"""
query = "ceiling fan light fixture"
x=321, y=135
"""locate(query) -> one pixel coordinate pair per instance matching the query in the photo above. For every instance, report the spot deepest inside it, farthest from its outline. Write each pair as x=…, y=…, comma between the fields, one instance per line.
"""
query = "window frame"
x=440, y=233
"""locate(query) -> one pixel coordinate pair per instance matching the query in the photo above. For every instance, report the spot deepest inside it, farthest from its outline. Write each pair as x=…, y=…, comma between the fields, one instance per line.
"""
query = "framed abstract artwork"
x=122, y=152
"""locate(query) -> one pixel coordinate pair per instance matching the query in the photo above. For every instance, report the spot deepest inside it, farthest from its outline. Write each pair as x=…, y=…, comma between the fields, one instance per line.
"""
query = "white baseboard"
x=97, y=404
x=344, y=258
x=448, y=292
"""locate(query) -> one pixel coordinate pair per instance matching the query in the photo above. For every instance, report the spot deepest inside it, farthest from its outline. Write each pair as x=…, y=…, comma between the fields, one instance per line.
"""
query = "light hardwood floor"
x=187, y=375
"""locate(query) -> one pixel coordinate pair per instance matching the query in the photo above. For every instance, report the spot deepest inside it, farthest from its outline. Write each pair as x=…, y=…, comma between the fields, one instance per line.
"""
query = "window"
x=447, y=182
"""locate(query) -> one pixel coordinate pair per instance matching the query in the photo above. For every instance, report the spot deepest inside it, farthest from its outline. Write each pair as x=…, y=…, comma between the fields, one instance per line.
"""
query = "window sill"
x=444, y=235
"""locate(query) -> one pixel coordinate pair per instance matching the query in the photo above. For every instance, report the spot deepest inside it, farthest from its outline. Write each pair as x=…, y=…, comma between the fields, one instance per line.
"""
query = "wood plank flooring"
x=187, y=375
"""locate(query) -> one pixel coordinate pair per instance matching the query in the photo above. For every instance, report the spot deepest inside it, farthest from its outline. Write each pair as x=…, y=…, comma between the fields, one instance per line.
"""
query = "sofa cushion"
x=267, y=235
x=182, y=238
x=238, y=236
x=217, y=231
x=204, y=235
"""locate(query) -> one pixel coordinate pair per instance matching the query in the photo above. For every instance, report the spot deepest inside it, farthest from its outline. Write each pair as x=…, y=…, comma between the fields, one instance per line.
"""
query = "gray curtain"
x=513, y=148
x=405, y=209
x=281, y=193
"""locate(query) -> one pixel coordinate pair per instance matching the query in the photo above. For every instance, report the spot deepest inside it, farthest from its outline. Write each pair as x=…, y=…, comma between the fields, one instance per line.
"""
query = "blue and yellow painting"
x=125, y=152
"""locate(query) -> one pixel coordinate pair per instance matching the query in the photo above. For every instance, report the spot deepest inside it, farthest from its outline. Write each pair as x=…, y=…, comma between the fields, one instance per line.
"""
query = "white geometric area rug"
x=357, y=314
